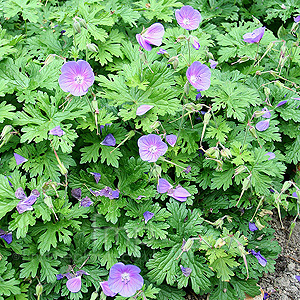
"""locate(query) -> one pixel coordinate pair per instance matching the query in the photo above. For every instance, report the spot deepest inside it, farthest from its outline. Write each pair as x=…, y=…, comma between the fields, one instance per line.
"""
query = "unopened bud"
x=253, y=131
x=95, y=105
x=62, y=169
x=259, y=113
x=39, y=290
x=175, y=63
x=213, y=152
x=219, y=167
x=267, y=91
x=286, y=186
x=82, y=22
x=187, y=245
x=180, y=38
x=219, y=243
x=94, y=296
x=258, y=224
x=207, y=117
x=76, y=26
x=48, y=201
x=156, y=171
x=187, y=88
x=239, y=170
x=195, y=42
x=246, y=183
x=279, y=84
x=226, y=153
x=143, y=57
x=92, y=47
x=50, y=58
x=5, y=134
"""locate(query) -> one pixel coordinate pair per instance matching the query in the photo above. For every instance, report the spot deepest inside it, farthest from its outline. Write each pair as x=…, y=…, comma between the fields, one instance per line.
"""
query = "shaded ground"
x=282, y=284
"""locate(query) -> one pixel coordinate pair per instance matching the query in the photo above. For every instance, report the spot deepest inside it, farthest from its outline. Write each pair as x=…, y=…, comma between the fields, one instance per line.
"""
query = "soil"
x=281, y=285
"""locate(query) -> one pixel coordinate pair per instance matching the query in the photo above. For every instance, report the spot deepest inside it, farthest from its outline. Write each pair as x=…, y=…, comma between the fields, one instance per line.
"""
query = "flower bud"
x=239, y=170
x=48, y=201
x=213, y=152
x=39, y=290
x=226, y=153
x=258, y=224
x=259, y=113
x=267, y=91
x=94, y=296
x=187, y=88
x=92, y=47
x=253, y=131
x=5, y=134
x=175, y=63
x=195, y=42
x=95, y=106
x=180, y=38
x=82, y=22
x=286, y=186
x=219, y=167
x=142, y=56
x=279, y=84
x=62, y=169
x=76, y=26
x=246, y=183
x=156, y=171
x=186, y=246
x=219, y=243
x=207, y=117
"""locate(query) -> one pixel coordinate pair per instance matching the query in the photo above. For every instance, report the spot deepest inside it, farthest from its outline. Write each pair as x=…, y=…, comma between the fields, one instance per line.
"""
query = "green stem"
x=189, y=52
x=255, y=58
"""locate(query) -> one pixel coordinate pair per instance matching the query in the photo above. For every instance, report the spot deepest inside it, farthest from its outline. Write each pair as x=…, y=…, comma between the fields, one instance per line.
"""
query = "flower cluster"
x=26, y=202
x=107, y=192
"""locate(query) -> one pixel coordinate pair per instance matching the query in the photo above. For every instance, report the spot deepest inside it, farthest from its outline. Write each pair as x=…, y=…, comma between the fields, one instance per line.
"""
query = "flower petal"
x=262, y=125
x=74, y=284
x=141, y=110
x=163, y=186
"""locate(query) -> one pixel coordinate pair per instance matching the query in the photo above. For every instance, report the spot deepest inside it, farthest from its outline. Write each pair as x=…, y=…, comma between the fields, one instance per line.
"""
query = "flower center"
x=193, y=78
x=125, y=277
x=78, y=79
x=186, y=21
x=152, y=149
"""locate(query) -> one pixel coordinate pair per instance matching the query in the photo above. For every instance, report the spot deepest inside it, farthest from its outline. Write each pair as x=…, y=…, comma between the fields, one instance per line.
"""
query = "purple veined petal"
x=76, y=77
x=198, y=96
x=261, y=260
x=20, y=194
x=22, y=207
x=186, y=271
x=271, y=155
x=114, y=194
x=154, y=34
x=116, y=270
x=262, y=125
x=281, y=103
x=180, y=192
x=142, y=42
x=151, y=147
x=171, y=139
x=141, y=110
x=76, y=193
x=252, y=226
x=19, y=159
x=187, y=170
x=162, y=51
x=163, y=186
x=297, y=19
x=95, y=193
x=7, y=237
x=213, y=63
x=30, y=200
x=195, y=42
x=74, y=284
x=10, y=184
x=68, y=275
x=298, y=277
x=148, y=216
x=97, y=176
x=136, y=283
x=199, y=76
x=106, y=290
x=188, y=17
x=254, y=36
x=86, y=202
x=57, y=131
x=267, y=114
x=109, y=140
x=295, y=195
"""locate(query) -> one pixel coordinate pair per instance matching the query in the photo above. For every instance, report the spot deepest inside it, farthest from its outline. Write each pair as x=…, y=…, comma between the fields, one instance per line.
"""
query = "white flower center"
x=125, y=277
x=186, y=21
x=152, y=149
x=78, y=79
x=193, y=78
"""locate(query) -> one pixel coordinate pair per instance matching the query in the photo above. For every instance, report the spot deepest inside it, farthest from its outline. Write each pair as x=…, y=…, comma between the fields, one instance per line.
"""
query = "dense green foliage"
x=231, y=181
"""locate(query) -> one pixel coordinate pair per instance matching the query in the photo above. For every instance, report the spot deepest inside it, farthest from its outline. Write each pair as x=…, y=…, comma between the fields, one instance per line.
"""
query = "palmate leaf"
x=28, y=8
x=170, y=293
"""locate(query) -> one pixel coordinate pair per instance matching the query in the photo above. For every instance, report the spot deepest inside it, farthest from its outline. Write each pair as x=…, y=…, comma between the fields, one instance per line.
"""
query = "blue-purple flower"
x=254, y=36
x=252, y=226
x=151, y=147
x=148, y=216
x=262, y=261
x=76, y=77
x=179, y=193
x=151, y=36
x=188, y=17
x=162, y=51
x=213, y=63
x=267, y=114
x=106, y=290
x=97, y=176
x=171, y=139
x=271, y=155
x=199, y=76
x=125, y=279
x=281, y=103
x=74, y=280
x=107, y=192
x=26, y=202
x=19, y=159
x=195, y=42
x=6, y=236
x=186, y=271
x=109, y=140
x=86, y=202
x=57, y=131
x=297, y=19
x=297, y=277
x=76, y=193
x=262, y=125
x=142, y=109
